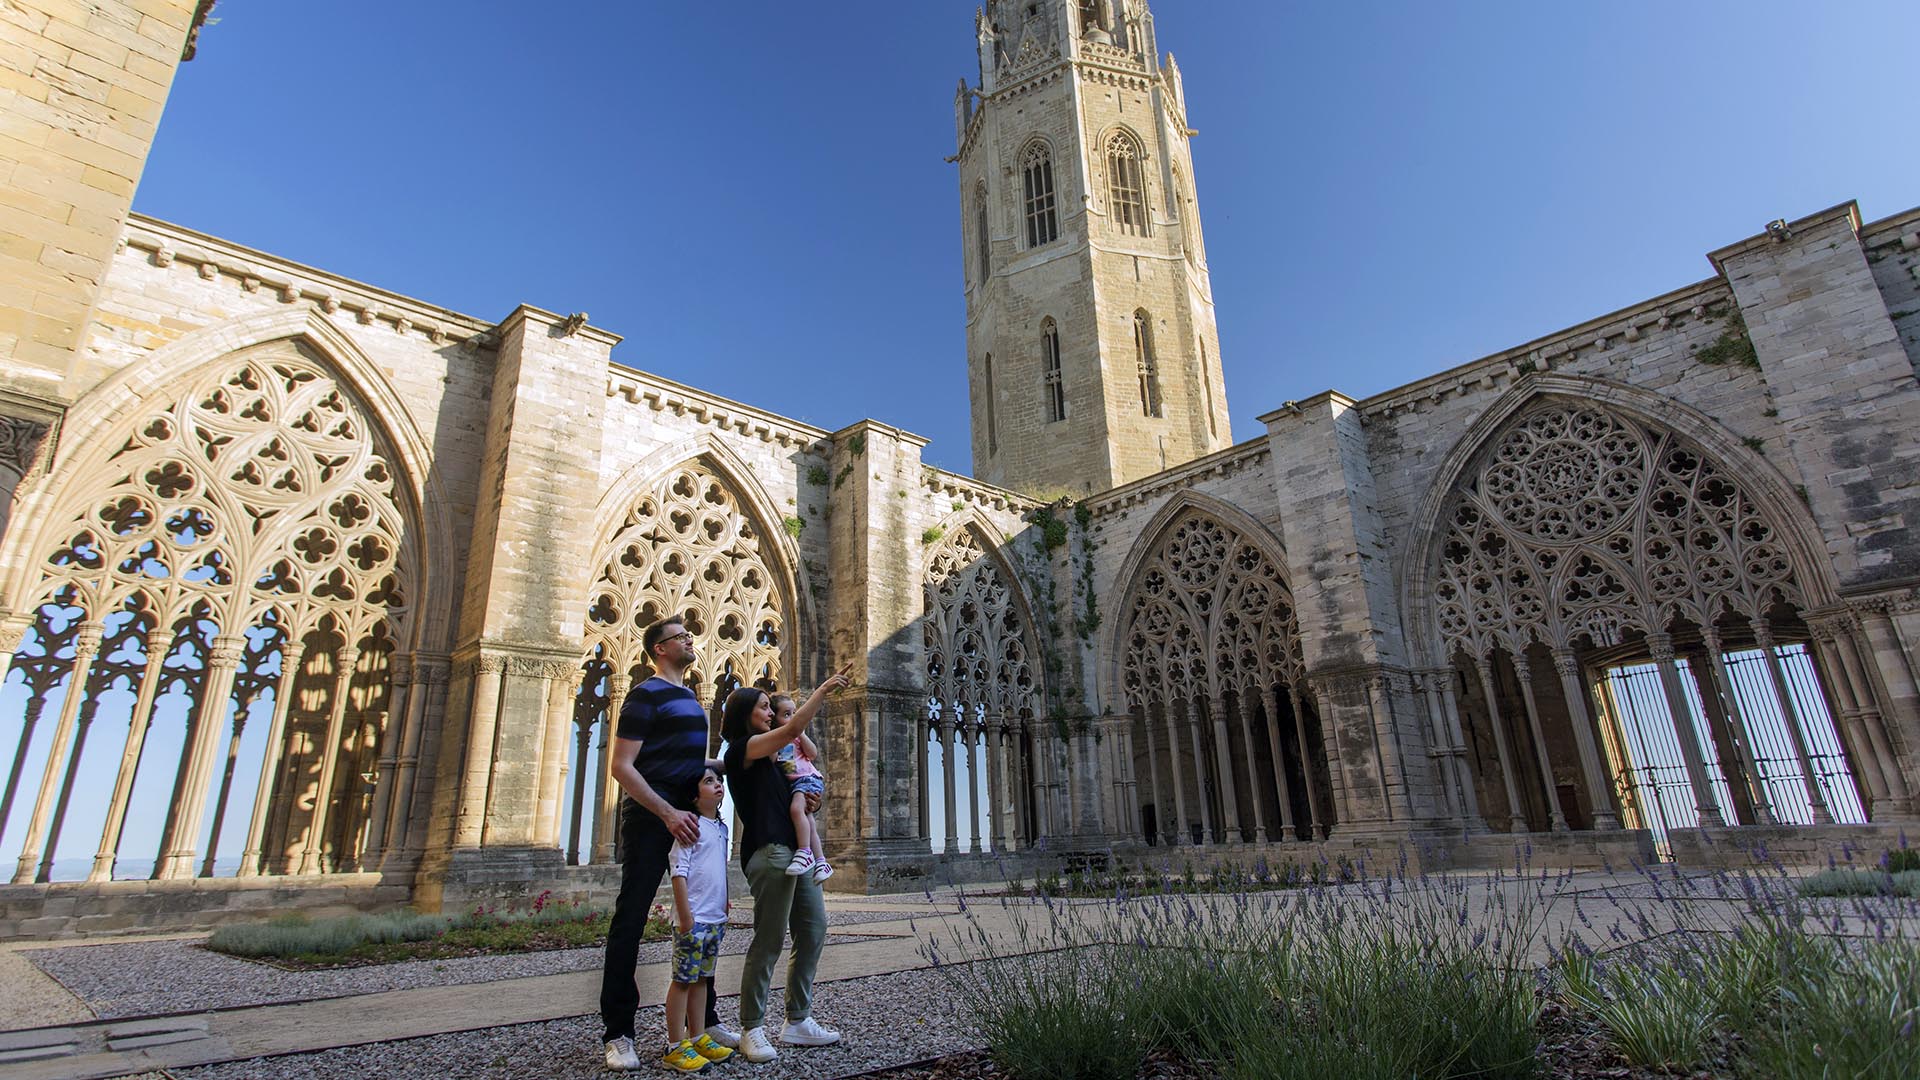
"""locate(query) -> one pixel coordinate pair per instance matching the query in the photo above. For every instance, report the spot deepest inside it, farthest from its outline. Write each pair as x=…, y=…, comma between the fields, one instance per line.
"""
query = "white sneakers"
x=808, y=1032
x=724, y=1035
x=755, y=1047
x=802, y=863
x=620, y=1055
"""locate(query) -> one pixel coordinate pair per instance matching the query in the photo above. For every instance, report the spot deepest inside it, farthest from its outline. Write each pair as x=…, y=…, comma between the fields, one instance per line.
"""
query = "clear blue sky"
x=753, y=194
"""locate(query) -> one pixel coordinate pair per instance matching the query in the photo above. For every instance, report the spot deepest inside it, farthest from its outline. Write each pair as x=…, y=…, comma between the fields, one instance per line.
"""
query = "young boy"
x=700, y=914
x=796, y=760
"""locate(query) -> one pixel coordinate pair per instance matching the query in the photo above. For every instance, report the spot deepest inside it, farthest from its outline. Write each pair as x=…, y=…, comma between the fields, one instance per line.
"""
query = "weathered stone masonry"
x=376, y=571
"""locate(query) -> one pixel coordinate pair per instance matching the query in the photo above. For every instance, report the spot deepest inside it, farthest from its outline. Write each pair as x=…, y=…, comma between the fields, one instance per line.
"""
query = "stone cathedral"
x=313, y=593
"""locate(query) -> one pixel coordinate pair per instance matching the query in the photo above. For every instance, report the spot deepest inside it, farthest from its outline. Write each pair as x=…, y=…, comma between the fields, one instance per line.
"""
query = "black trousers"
x=647, y=843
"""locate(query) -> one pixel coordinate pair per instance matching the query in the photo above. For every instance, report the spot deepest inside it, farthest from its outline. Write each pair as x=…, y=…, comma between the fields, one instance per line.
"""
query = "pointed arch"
x=85, y=440
x=1147, y=546
x=705, y=451
x=1757, y=478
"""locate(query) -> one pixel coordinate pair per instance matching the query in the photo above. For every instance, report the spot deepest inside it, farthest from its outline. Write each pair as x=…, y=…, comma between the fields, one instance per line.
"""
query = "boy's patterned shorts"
x=697, y=953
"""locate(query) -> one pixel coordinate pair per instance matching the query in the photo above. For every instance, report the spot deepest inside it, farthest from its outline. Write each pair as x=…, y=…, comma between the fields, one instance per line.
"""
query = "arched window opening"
x=1037, y=170
x=1145, y=364
x=1050, y=355
x=980, y=235
x=1126, y=185
x=993, y=437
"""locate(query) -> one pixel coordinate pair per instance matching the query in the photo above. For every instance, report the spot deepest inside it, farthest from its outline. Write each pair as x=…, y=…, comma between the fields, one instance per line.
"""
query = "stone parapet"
x=87, y=909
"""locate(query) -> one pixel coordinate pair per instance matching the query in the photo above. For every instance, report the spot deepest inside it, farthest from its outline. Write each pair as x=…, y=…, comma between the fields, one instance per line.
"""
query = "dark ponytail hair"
x=736, y=716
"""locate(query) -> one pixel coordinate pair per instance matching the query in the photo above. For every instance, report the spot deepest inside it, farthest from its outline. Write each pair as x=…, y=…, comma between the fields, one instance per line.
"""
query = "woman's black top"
x=761, y=797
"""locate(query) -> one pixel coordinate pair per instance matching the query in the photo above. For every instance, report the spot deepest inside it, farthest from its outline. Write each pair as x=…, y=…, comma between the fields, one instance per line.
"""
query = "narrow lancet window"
x=1037, y=168
x=1126, y=186
x=1050, y=356
x=993, y=439
x=1148, y=369
x=980, y=232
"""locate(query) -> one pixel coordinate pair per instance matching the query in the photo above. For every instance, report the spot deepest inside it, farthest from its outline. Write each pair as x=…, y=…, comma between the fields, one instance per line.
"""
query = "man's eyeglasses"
x=684, y=637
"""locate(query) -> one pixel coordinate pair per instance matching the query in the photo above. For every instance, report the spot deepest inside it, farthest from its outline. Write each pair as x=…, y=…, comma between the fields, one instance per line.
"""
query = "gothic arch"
x=1206, y=653
x=1144, y=549
x=1758, y=478
x=984, y=674
x=243, y=528
x=1583, y=530
x=91, y=420
x=791, y=582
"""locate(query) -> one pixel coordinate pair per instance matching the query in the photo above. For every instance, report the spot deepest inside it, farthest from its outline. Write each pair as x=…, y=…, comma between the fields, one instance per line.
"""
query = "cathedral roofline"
x=1777, y=232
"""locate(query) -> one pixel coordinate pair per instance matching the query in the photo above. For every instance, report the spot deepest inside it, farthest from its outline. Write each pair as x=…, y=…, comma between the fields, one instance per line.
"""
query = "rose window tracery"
x=1582, y=525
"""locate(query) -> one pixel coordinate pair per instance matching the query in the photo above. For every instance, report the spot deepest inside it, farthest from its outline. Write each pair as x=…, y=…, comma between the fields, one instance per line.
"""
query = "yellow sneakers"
x=712, y=1051
x=684, y=1058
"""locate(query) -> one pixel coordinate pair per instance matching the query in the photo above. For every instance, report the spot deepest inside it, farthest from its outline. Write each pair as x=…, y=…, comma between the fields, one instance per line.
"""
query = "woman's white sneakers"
x=621, y=1056
x=808, y=1032
x=755, y=1047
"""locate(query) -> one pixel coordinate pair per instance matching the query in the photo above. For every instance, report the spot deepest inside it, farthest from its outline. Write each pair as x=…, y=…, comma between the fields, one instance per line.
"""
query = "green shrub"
x=1861, y=883
x=1900, y=860
x=296, y=935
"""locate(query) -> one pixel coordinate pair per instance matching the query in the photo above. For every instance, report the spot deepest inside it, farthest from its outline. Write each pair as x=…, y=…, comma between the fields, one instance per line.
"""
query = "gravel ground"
x=886, y=1020
x=145, y=978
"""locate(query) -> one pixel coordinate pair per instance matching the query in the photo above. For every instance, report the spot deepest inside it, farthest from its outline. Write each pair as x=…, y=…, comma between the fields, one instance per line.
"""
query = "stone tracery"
x=251, y=516
x=982, y=690
x=1583, y=529
x=687, y=546
x=1211, y=631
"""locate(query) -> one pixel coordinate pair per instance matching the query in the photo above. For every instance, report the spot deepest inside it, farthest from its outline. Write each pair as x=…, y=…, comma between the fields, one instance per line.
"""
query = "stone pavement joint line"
x=116, y=1048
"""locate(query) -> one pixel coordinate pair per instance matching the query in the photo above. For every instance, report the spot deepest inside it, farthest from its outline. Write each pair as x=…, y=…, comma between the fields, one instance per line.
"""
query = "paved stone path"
x=51, y=1035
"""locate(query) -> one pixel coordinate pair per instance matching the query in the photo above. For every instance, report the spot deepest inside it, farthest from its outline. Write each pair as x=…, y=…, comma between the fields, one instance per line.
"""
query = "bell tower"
x=1092, y=355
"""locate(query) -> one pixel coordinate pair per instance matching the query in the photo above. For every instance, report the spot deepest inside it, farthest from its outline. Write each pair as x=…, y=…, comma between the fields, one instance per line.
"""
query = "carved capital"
x=432, y=670
x=227, y=651
x=12, y=631
x=21, y=442
x=1660, y=647
x=1566, y=664
x=489, y=664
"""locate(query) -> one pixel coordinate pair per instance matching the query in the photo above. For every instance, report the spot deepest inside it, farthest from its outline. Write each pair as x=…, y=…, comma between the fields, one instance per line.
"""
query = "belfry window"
x=1050, y=357
x=1037, y=168
x=1149, y=371
x=1126, y=187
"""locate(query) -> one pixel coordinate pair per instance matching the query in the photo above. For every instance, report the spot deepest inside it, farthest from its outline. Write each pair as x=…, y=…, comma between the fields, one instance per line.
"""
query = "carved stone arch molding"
x=1621, y=418
x=1147, y=549
x=971, y=547
x=658, y=552
x=88, y=446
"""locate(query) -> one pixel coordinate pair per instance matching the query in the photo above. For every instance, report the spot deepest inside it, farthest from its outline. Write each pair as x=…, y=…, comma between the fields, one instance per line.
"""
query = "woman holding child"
x=757, y=727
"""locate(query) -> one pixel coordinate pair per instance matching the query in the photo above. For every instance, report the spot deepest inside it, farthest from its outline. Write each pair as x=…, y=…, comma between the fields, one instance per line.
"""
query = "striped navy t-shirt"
x=672, y=728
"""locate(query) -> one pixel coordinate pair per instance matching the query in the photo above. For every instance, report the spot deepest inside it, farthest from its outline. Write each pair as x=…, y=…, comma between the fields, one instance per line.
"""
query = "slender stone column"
x=1076, y=775
x=1599, y=792
x=563, y=688
x=1190, y=714
x=951, y=842
x=1270, y=701
x=86, y=644
x=1660, y=647
x=1233, y=827
x=1463, y=776
x=1253, y=773
x=427, y=673
x=1870, y=718
x=1143, y=712
x=310, y=855
x=1442, y=752
x=997, y=810
x=1176, y=823
x=159, y=643
x=1516, y=822
x=1524, y=671
x=1321, y=826
x=400, y=678
x=606, y=793
x=294, y=655
x=1816, y=799
x=1736, y=719
x=471, y=824
x=190, y=797
x=972, y=733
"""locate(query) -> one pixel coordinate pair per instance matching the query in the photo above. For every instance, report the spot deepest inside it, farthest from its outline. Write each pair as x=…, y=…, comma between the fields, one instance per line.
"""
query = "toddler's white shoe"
x=802, y=863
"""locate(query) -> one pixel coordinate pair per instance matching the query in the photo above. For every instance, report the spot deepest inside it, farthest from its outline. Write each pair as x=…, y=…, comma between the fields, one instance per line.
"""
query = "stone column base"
x=499, y=876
